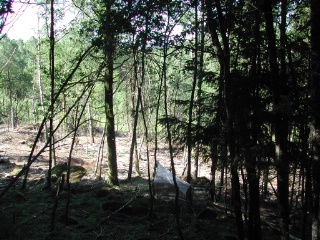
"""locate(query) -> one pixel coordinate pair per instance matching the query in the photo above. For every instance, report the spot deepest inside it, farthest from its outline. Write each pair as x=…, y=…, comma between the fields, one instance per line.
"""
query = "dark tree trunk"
x=219, y=24
x=235, y=184
x=315, y=110
x=191, y=106
x=307, y=196
x=214, y=160
x=133, y=147
x=280, y=125
x=223, y=170
x=110, y=130
x=109, y=37
x=52, y=76
x=254, y=224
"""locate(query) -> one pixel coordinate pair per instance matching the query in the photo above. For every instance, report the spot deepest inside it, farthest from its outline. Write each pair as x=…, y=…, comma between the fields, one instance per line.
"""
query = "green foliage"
x=158, y=37
x=16, y=79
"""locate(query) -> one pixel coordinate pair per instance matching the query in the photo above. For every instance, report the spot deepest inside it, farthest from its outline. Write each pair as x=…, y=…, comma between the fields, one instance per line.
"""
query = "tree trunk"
x=212, y=26
x=251, y=138
x=110, y=130
x=168, y=131
x=11, y=119
x=193, y=90
x=216, y=25
x=109, y=37
x=236, y=195
x=315, y=109
x=150, y=214
x=214, y=160
x=223, y=170
x=254, y=224
x=82, y=109
x=135, y=116
x=39, y=70
x=134, y=136
x=280, y=125
x=90, y=124
x=52, y=78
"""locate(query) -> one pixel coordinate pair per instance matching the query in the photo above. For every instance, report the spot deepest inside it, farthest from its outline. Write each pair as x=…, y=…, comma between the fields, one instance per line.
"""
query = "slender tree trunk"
x=251, y=135
x=280, y=126
x=168, y=127
x=34, y=110
x=193, y=90
x=52, y=43
x=213, y=27
x=254, y=224
x=77, y=125
x=245, y=192
x=177, y=208
x=306, y=176
x=135, y=88
x=39, y=70
x=214, y=160
x=144, y=115
x=223, y=54
x=199, y=91
x=150, y=214
x=11, y=119
x=100, y=153
x=223, y=170
x=134, y=136
x=90, y=123
x=308, y=198
x=315, y=109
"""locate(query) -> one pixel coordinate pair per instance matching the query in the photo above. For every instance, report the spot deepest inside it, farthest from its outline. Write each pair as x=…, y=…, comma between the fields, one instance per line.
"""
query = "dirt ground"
x=97, y=211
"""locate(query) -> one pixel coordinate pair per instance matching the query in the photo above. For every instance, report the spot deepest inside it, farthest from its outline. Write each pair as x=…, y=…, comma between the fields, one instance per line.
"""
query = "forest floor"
x=97, y=211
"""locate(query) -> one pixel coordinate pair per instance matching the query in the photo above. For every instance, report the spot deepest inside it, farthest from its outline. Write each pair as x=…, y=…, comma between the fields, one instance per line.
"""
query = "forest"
x=230, y=86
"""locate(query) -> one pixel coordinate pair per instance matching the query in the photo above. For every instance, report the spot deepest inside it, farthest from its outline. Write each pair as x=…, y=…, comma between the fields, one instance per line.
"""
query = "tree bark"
x=134, y=136
x=216, y=25
x=315, y=110
x=90, y=123
x=11, y=119
x=280, y=125
x=191, y=104
x=252, y=130
x=110, y=129
x=52, y=78
x=109, y=38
